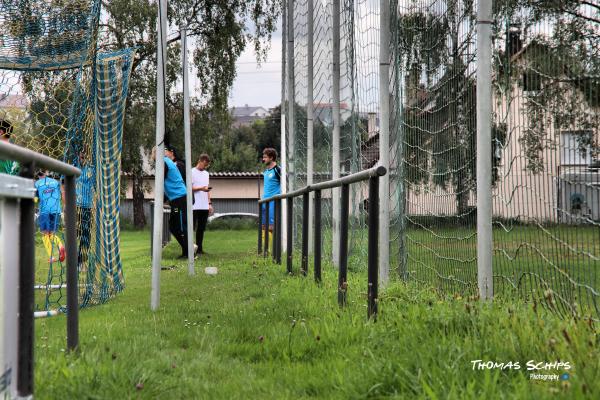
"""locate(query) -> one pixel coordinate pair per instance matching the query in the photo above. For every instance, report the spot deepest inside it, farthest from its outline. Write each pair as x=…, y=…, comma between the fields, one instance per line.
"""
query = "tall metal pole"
x=336, y=131
x=72, y=272
x=309, y=120
x=188, y=152
x=159, y=175
x=290, y=94
x=384, y=140
x=284, y=85
x=484, y=150
x=26, y=325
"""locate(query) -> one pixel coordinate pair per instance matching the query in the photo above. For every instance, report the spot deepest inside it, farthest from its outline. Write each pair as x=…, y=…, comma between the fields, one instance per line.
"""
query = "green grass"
x=252, y=332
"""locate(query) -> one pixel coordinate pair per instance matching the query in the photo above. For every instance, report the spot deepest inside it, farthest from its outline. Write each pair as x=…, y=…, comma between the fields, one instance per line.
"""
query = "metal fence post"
x=278, y=214
x=373, y=247
x=317, y=236
x=485, y=278
x=267, y=225
x=260, y=228
x=290, y=232
x=305, y=222
x=336, y=131
x=343, y=270
x=310, y=153
x=275, y=230
x=72, y=272
x=384, y=138
x=159, y=174
x=26, y=333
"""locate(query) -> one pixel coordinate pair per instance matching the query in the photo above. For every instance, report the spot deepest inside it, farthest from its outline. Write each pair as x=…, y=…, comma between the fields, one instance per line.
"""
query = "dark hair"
x=204, y=157
x=6, y=128
x=270, y=152
x=172, y=150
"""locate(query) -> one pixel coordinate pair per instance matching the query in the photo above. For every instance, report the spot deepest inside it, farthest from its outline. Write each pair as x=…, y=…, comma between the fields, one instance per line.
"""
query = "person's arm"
x=211, y=210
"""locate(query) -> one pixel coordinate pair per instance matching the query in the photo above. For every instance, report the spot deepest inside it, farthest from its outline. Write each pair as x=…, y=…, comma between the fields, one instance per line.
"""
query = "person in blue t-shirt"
x=49, y=193
x=84, y=190
x=175, y=191
x=272, y=184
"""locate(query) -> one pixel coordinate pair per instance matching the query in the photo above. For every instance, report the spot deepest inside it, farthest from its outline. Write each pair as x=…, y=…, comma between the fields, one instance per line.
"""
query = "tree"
x=563, y=60
x=218, y=31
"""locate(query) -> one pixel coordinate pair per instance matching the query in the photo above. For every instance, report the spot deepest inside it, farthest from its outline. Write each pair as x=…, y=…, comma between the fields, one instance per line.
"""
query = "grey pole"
x=188, y=152
x=290, y=94
x=384, y=140
x=159, y=175
x=484, y=150
x=72, y=273
x=309, y=120
x=336, y=132
x=283, y=157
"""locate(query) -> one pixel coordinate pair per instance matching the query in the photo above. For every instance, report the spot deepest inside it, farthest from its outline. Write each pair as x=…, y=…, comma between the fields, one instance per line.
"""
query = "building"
x=232, y=192
x=554, y=177
x=247, y=115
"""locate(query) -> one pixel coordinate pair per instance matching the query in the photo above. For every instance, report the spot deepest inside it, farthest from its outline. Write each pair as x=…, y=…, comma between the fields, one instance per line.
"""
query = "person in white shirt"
x=202, y=204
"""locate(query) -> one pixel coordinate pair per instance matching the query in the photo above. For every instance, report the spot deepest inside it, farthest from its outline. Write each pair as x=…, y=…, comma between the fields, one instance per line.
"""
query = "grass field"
x=252, y=332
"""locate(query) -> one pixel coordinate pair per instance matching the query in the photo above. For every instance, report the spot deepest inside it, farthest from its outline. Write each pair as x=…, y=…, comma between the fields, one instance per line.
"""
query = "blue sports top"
x=272, y=182
x=48, y=190
x=84, y=186
x=174, y=185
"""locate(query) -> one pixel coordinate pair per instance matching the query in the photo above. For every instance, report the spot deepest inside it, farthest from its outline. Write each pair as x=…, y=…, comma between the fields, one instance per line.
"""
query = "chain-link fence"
x=544, y=157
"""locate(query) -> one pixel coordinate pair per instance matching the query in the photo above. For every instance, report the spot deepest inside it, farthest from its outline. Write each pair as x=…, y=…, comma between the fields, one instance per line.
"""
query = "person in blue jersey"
x=175, y=191
x=272, y=184
x=84, y=189
x=50, y=195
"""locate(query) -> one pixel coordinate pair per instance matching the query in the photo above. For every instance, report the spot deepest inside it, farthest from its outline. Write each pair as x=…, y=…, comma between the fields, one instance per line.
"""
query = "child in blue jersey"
x=272, y=184
x=175, y=191
x=49, y=193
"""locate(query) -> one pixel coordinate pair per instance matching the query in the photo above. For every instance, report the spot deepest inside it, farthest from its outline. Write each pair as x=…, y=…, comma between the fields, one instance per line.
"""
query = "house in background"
x=14, y=107
x=232, y=192
x=563, y=185
x=245, y=116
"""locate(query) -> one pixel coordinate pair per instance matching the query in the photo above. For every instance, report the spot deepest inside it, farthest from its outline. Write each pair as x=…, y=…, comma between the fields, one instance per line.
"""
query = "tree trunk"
x=139, y=219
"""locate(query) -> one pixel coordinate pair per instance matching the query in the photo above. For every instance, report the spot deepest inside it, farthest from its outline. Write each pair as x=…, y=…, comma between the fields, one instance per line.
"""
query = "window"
x=532, y=81
x=576, y=147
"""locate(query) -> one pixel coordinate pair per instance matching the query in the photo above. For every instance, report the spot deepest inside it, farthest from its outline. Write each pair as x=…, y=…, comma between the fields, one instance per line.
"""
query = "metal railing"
x=372, y=175
x=29, y=161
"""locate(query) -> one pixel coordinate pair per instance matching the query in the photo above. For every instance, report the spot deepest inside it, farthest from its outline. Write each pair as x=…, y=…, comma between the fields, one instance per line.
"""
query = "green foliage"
x=218, y=32
x=566, y=60
x=252, y=332
x=232, y=223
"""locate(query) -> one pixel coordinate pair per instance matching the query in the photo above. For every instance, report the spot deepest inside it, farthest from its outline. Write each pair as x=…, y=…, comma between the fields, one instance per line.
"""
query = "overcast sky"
x=258, y=85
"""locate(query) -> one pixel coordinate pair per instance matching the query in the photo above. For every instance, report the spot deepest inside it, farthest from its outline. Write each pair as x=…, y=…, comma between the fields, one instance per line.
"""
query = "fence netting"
x=545, y=140
x=61, y=97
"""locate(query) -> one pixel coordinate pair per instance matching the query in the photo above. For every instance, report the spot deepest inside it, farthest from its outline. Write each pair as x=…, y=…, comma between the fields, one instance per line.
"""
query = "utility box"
x=579, y=197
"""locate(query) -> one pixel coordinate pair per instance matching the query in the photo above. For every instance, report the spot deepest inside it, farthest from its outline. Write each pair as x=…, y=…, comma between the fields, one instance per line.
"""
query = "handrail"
x=333, y=183
x=372, y=175
x=23, y=155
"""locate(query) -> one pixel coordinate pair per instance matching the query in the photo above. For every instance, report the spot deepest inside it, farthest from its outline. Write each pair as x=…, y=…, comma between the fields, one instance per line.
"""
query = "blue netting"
x=47, y=34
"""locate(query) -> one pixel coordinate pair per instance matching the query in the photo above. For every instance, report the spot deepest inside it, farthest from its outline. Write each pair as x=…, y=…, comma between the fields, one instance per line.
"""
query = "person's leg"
x=54, y=223
x=202, y=220
x=176, y=226
x=44, y=225
x=271, y=220
x=196, y=227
